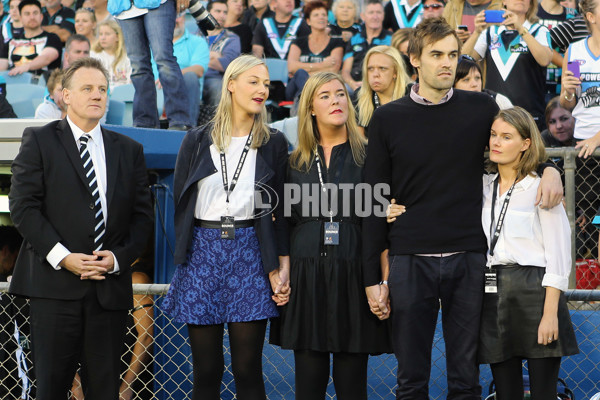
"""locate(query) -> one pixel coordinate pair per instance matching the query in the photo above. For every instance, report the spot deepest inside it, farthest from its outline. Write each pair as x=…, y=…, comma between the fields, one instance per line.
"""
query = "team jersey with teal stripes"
x=511, y=68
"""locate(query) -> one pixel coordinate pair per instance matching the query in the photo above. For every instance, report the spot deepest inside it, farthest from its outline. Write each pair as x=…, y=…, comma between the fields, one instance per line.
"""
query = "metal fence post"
x=569, y=166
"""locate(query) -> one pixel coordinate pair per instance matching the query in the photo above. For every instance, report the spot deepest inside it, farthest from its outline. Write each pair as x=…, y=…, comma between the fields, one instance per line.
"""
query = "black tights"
x=543, y=377
x=246, y=340
x=312, y=375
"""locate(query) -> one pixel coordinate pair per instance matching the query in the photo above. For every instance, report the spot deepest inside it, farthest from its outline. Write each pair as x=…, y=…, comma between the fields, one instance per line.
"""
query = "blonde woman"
x=328, y=310
x=516, y=53
x=231, y=255
x=85, y=24
x=110, y=49
x=384, y=80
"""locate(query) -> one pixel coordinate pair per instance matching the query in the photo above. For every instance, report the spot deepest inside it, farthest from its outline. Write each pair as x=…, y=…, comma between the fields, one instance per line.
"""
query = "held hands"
x=280, y=282
x=379, y=302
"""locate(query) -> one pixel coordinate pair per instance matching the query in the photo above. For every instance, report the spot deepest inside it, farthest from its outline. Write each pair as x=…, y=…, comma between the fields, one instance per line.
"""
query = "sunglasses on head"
x=434, y=6
x=466, y=57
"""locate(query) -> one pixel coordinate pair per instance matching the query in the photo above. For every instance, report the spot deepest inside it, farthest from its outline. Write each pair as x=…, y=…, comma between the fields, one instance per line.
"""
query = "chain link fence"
x=166, y=372
x=156, y=356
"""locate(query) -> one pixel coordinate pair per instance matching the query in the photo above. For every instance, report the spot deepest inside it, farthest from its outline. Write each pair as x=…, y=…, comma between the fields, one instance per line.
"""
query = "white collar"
x=523, y=184
x=95, y=133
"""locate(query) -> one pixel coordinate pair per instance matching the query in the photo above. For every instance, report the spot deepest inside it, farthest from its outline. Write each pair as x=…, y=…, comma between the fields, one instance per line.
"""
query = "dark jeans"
x=417, y=287
x=295, y=85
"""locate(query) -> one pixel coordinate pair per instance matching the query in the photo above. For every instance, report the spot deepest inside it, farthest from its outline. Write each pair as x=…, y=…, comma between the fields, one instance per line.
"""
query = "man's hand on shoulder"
x=81, y=265
x=550, y=190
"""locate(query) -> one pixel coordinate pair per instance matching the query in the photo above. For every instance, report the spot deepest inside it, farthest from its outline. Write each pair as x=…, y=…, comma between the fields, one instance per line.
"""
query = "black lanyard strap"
x=496, y=234
x=238, y=169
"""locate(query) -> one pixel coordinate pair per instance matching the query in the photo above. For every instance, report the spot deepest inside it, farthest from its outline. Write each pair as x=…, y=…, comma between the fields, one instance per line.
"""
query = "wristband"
x=569, y=99
x=383, y=283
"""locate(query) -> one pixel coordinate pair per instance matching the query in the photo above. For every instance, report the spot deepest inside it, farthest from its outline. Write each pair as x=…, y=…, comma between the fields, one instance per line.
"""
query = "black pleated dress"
x=328, y=309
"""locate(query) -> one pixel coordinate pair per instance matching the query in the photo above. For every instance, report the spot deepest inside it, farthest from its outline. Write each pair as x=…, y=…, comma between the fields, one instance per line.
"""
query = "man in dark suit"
x=80, y=199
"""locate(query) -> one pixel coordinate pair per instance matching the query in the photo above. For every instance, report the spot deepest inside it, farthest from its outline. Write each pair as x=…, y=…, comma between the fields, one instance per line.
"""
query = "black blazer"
x=195, y=163
x=51, y=202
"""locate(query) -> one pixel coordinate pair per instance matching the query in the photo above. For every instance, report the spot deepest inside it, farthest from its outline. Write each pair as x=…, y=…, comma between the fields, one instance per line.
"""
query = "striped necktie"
x=90, y=174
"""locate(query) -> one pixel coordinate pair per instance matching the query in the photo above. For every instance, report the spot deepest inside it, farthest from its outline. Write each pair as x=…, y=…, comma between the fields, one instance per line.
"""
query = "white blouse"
x=211, y=201
x=530, y=235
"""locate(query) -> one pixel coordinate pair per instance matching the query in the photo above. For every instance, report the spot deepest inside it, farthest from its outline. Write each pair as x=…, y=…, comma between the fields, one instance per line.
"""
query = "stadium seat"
x=278, y=69
x=24, y=98
x=25, y=77
x=124, y=93
x=116, y=112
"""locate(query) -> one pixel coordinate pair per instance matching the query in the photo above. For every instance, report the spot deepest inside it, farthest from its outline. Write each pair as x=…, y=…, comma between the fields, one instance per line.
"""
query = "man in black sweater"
x=433, y=164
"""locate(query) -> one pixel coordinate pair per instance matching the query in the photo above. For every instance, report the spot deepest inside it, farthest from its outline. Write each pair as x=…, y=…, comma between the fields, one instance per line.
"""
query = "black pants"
x=65, y=333
x=418, y=285
x=312, y=375
x=543, y=378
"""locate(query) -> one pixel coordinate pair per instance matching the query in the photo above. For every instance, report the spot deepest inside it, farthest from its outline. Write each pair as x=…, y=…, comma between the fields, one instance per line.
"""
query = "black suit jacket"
x=51, y=202
x=194, y=163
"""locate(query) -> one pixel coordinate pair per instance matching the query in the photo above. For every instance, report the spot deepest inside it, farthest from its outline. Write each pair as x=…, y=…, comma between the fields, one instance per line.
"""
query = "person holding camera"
x=516, y=51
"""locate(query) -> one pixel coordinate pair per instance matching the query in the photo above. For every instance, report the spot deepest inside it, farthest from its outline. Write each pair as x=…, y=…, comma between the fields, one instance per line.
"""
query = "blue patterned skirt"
x=222, y=281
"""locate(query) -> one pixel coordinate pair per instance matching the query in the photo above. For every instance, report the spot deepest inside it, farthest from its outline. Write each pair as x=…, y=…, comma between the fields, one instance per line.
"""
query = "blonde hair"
x=92, y=17
x=400, y=36
x=222, y=122
x=120, y=52
x=308, y=133
x=525, y=125
x=355, y=3
x=365, y=96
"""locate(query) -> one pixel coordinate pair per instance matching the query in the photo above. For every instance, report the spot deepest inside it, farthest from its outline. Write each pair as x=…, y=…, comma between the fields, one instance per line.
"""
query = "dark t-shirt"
x=245, y=34
x=308, y=56
x=64, y=18
x=282, y=33
x=20, y=50
x=336, y=30
x=249, y=17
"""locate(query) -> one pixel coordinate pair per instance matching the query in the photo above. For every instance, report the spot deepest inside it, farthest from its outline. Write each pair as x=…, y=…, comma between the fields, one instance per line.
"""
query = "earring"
x=313, y=114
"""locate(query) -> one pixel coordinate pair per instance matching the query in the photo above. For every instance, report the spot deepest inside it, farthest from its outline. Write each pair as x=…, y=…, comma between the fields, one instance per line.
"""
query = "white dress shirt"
x=96, y=150
x=530, y=235
x=211, y=201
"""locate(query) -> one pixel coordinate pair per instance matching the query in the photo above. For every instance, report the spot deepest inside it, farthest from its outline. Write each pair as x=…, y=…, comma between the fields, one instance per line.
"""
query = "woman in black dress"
x=328, y=310
x=315, y=52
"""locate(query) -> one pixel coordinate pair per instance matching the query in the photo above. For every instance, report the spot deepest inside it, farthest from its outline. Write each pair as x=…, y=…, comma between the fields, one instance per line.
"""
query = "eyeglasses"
x=434, y=6
x=466, y=57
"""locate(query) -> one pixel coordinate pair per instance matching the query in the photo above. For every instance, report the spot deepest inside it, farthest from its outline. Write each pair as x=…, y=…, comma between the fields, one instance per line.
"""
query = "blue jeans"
x=192, y=85
x=212, y=89
x=154, y=31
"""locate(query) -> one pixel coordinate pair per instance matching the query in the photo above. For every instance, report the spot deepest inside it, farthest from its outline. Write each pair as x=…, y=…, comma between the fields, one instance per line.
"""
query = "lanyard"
x=376, y=101
x=318, y=162
x=496, y=233
x=238, y=169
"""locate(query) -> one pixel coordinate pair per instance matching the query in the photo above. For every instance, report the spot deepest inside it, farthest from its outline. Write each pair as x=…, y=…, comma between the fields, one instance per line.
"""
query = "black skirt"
x=511, y=317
